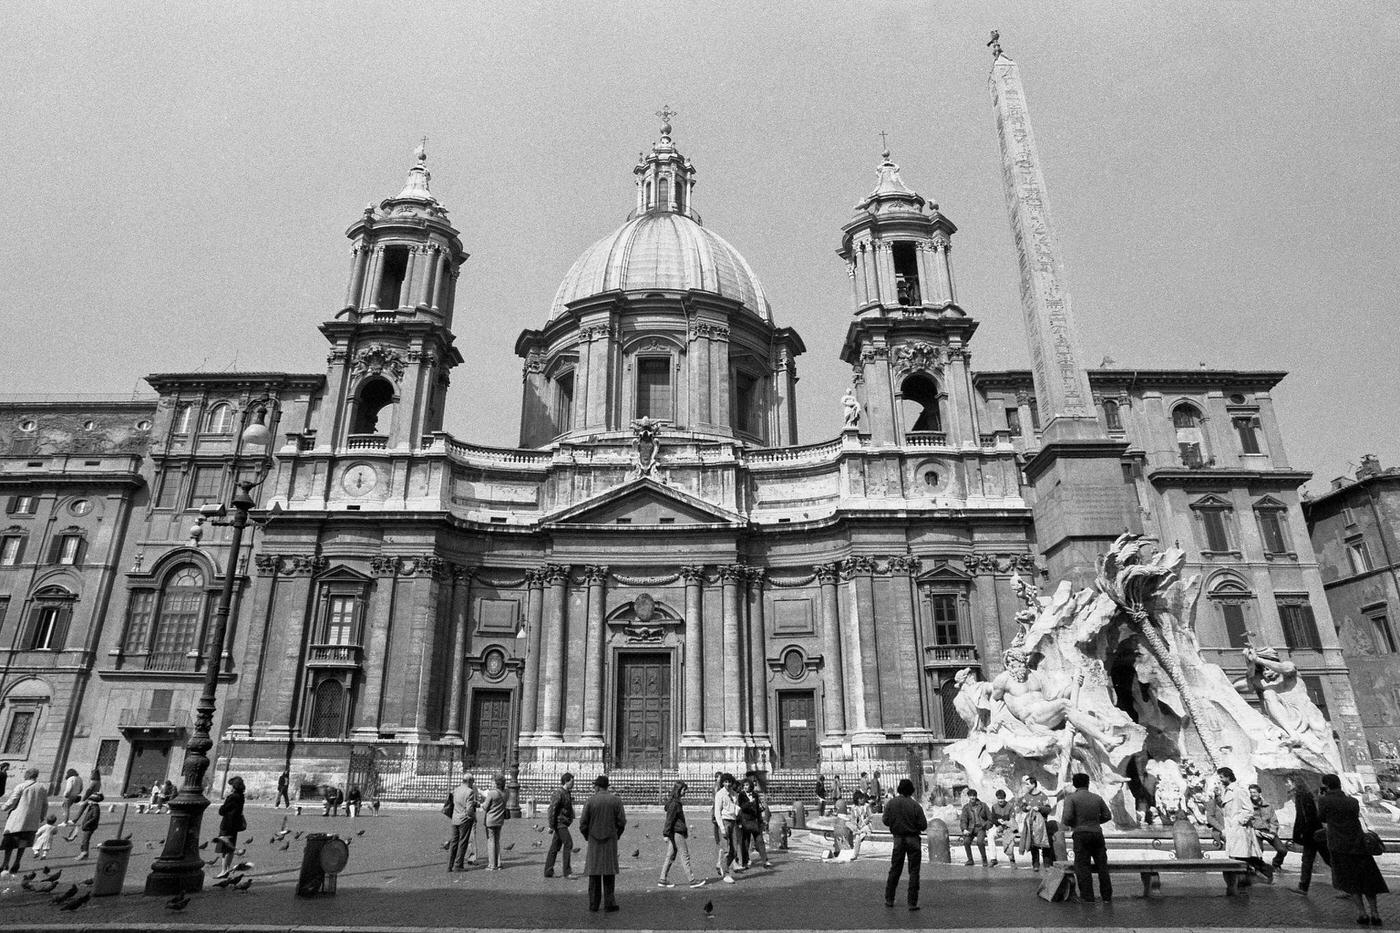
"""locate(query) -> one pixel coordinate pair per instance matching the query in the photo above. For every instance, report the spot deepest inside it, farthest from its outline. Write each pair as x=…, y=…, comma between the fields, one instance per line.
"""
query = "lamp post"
x=180, y=868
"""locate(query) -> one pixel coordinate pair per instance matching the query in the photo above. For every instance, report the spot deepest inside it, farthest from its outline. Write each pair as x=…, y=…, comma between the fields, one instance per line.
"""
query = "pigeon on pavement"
x=77, y=902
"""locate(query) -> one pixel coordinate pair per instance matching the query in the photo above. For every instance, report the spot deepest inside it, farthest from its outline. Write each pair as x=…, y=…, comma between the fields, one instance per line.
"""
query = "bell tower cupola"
x=392, y=342
x=907, y=345
x=897, y=248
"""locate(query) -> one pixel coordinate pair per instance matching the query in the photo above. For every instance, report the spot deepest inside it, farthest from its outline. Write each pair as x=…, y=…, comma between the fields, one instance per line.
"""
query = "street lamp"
x=180, y=868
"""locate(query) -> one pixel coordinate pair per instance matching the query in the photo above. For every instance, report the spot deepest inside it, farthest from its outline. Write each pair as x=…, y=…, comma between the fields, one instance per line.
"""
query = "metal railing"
x=950, y=654
x=148, y=717
x=926, y=438
x=336, y=655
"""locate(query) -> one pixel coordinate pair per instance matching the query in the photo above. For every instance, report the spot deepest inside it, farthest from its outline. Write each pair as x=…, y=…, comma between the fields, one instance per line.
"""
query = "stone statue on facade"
x=974, y=699
x=850, y=408
x=1040, y=708
x=648, y=446
x=1286, y=702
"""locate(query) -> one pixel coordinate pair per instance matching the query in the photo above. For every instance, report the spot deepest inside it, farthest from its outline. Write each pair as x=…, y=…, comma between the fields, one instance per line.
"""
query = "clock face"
x=360, y=479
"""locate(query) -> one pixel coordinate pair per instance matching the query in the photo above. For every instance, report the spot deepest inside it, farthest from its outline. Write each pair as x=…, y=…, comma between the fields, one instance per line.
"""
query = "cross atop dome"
x=416, y=187
x=664, y=176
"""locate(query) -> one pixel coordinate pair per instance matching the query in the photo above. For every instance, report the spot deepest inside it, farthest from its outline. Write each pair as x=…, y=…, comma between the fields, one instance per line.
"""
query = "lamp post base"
x=180, y=868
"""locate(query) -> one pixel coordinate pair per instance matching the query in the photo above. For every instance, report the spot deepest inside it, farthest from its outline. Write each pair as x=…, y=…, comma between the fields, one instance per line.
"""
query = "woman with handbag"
x=1352, y=848
x=231, y=823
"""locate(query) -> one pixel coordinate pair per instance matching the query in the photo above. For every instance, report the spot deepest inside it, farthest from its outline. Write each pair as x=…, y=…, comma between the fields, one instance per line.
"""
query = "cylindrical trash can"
x=324, y=857
x=112, y=858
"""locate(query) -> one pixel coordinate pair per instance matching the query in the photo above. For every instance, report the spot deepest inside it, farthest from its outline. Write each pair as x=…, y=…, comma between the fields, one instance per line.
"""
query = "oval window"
x=28, y=424
x=80, y=506
x=794, y=664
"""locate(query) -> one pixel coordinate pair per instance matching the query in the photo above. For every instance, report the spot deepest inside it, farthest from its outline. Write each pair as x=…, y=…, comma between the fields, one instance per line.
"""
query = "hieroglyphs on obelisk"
x=1061, y=384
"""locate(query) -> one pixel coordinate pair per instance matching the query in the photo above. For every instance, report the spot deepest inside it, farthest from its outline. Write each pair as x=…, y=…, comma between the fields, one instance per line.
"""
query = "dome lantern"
x=665, y=178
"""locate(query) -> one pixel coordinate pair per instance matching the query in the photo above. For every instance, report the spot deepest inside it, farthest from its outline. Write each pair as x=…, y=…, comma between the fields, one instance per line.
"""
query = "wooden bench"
x=1059, y=883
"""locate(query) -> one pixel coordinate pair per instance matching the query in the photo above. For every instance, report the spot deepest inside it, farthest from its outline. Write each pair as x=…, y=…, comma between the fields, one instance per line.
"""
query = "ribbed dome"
x=662, y=250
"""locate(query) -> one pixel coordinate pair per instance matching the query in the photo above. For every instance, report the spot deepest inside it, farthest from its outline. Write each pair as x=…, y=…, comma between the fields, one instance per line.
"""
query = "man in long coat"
x=26, y=809
x=602, y=823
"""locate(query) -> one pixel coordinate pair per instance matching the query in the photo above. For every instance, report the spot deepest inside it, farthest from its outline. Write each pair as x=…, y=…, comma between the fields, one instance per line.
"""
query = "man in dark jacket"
x=1305, y=826
x=602, y=823
x=1084, y=814
x=284, y=782
x=907, y=824
x=557, y=819
x=975, y=819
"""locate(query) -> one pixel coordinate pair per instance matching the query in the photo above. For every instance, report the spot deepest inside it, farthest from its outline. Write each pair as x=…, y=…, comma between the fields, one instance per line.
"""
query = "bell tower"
x=392, y=343
x=908, y=343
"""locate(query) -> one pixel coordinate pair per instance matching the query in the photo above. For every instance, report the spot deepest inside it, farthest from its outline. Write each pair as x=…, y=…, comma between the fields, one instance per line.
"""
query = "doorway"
x=644, y=711
x=797, y=729
x=150, y=765
x=489, y=744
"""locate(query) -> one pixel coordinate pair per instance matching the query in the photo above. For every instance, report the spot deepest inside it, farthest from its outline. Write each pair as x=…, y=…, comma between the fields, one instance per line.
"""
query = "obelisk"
x=1082, y=500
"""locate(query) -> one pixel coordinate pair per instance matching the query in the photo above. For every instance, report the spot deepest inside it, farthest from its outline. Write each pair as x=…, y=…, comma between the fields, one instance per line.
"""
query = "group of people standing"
x=740, y=818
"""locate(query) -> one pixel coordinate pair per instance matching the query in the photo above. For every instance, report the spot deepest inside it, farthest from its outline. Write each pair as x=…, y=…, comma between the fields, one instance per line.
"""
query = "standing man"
x=1241, y=842
x=602, y=824
x=494, y=816
x=877, y=793
x=726, y=814
x=974, y=821
x=1306, y=823
x=1085, y=813
x=558, y=818
x=907, y=824
x=464, y=803
x=27, y=807
x=284, y=781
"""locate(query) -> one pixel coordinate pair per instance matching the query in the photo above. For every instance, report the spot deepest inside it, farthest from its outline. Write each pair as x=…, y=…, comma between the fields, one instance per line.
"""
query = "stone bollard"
x=530, y=802
x=1059, y=844
x=778, y=833
x=938, y=850
x=1186, y=842
x=799, y=815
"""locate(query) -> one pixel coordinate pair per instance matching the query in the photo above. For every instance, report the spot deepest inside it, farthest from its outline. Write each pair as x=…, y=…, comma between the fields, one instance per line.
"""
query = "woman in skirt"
x=1354, y=869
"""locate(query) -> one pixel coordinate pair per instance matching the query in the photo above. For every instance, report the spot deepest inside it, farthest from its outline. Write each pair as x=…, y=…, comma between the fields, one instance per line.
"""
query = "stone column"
x=429, y=280
x=356, y=284
x=375, y=261
x=758, y=657
x=863, y=671
x=694, y=655
x=834, y=691
x=909, y=647
x=732, y=575
x=534, y=616
x=377, y=640
x=444, y=272
x=552, y=716
x=594, y=682
x=461, y=613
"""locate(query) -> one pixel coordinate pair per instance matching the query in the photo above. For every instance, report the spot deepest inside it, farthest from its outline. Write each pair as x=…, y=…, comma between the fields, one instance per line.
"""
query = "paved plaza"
x=396, y=880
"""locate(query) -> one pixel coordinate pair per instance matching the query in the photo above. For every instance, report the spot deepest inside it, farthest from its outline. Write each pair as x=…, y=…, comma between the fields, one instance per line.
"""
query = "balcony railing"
x=367, y=442
x=926, y=439
x=171, y=661
x=148, y=717
x=335, y=656
x=949, y=655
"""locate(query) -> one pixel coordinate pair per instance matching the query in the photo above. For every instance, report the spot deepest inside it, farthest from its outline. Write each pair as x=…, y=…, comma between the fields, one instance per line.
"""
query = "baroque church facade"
x=660, y=578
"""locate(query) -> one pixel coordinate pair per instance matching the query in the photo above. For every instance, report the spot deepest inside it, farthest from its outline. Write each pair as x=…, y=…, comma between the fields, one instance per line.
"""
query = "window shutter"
x=31, y=631
x=60, y=627
x=55, y=549
x=81, y=553
x=11, y=504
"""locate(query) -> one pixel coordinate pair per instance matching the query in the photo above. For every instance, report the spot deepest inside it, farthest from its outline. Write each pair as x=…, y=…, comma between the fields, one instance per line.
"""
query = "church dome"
x=663, y=250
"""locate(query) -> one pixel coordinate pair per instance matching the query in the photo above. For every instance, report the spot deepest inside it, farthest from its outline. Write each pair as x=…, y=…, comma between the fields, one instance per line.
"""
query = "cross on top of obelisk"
x=884, y=145
x=994, y=43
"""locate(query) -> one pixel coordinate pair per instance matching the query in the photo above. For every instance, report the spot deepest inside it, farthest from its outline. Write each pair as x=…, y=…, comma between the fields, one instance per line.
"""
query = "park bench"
x=1059, y=883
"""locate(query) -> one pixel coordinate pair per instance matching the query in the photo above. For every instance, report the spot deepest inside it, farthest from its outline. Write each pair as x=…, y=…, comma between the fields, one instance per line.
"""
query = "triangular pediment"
x=945, y=573
x=643, y=503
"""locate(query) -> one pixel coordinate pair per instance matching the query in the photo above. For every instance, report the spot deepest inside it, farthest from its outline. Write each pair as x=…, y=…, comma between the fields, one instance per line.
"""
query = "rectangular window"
x=42, y=628
x=23, y=505
x=1248, y=431
x=1299, y=626
x=1385, y=635
x=1035, y=414
x=69, y=547
x=1217, y=538
x=340, y=620
x=1359, y=555
x=17, y=735
x=208, y=486
x=946, y=630
x=138, y=620
x=160, y=705
x=1271, y=529
x=392, y=272
x=745, y=389
x=169, y=496
x=1348, y=517
x=11, y=550
x=107, y=755
x=1313, y=684
x=654, y=387
x=1013, y=420
x=565, y=418
x=1235, y=632
x=1112, y=416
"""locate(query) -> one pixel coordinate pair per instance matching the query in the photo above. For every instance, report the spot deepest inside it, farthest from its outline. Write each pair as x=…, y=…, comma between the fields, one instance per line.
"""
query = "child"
x=43, y=839
x=87, y=822
x=860, y=822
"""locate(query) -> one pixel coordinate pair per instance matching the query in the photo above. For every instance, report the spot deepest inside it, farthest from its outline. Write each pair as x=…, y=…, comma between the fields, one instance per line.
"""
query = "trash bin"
x=323, y=859
x=112, y=858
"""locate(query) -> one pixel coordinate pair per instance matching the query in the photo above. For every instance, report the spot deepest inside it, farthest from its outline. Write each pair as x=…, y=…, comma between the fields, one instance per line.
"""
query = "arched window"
x=374, y=396
x=920, y=403
x=1186, y=419
x=1112, y=416
x=178, y=614
x=646, y=201
x=48, y=620
x=220, y=419
x=184, y=419
x=564, y=401
x=1232, y=598
x=327, y=710
x=680, y=194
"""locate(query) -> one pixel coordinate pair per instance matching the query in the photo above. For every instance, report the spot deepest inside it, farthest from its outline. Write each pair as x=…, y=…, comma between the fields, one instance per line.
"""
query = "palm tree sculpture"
x=1137, y=587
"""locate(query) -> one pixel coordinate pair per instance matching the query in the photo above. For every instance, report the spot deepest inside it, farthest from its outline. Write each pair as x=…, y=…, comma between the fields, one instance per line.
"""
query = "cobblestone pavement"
x=396, y=879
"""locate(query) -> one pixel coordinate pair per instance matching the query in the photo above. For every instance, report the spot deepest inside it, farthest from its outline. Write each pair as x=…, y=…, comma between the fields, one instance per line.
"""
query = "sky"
x=1222, y=177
